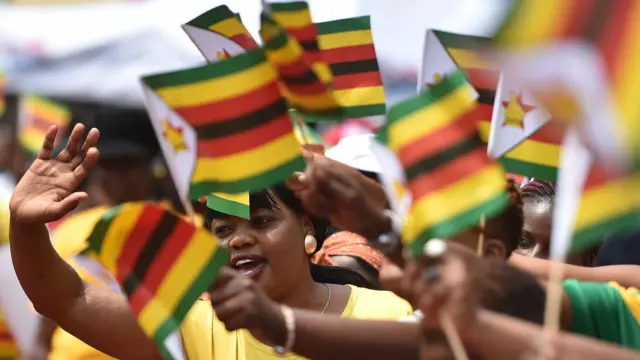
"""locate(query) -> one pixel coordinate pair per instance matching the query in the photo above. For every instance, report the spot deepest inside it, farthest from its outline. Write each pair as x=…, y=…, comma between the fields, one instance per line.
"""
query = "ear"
x=494, y=248
x=307, y=226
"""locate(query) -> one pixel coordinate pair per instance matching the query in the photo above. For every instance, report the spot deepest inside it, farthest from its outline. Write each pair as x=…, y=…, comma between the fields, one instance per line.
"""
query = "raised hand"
x=47, y=191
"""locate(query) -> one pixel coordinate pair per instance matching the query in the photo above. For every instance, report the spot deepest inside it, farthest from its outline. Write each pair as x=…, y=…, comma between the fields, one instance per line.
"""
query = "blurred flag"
x=230, y=204
x=606, y=34
x=301, y=85
x=224, y=127
x=8, y=347
x=304, y=133
x=36, y=115
x=3, y=94
x=452, y=180
x=162, y=262
x=509, y=122
x=219, y=34
x=295, y=18
x=347, y=45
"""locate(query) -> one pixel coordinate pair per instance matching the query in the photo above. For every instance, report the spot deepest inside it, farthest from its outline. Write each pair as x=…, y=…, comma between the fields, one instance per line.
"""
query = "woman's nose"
x=241, y=239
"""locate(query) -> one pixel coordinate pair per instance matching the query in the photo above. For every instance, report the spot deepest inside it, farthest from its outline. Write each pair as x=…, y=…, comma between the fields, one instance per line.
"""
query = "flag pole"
x=480, y=249
x=301, y=126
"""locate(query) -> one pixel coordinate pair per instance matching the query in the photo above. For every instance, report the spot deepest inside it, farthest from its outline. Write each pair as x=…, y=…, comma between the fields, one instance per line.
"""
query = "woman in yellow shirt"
x=272, y=248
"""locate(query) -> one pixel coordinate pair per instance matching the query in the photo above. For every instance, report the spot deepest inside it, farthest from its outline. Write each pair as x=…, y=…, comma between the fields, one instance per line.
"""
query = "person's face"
x=537, y=229
x=269, y=248
x=125, y=179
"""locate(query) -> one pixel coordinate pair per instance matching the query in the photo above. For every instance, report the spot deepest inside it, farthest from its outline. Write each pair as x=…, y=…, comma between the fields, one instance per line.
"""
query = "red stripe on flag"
x=550, y=133
x=235, y=107
x=349, y=53
x=450, y=173
x=483, y=112
x=146, y=224
x=313, y=88
x=168, y=255
x=304, y=34
x=247, y=139
x=575, y=22
x=433, y=143
x=245, y=41
x=353, y=81
x=483, y=78
x=599, y=175
x=614, y=35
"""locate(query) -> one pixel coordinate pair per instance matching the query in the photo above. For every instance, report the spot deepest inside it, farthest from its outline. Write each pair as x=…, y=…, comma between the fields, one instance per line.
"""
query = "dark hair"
x=512, y=291
x=267, y=199
x=539, y=191
x=508, y=224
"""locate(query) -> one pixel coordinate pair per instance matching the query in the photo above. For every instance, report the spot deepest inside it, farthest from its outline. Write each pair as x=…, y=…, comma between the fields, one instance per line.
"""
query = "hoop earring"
x=310, y=244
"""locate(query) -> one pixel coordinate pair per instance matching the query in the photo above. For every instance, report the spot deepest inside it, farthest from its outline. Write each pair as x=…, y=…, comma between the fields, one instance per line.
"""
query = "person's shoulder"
x=376, y=305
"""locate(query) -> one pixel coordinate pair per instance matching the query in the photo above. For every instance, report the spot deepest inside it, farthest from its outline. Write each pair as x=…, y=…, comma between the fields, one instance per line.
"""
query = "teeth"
x=242, y=262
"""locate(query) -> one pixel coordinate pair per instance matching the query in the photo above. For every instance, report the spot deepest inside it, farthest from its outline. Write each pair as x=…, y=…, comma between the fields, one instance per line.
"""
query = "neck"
x=307, y=294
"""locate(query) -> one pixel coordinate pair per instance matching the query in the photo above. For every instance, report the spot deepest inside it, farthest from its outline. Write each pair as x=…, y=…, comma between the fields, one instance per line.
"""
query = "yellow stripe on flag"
x=173, y=288
x=118, y=231
x=317, y=102
x=228, y=27
x=345, y=39
x=248, y=163
x=293, y=19
x=431, y=118
x=453, y=200
x=32, y=138
x=540, y=23
x=240, y=198
x=218, y=89
x=372, y=95
x=608, y=201
x=286, y=54
x=469, y=59
x=536, y=152
x=627, y=77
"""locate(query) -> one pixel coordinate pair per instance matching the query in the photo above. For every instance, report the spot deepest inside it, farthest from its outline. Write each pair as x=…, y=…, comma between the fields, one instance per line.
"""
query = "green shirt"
x=605, y=311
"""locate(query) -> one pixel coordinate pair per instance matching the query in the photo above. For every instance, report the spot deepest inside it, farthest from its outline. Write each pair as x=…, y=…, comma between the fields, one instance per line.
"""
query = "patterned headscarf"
x=348, y=244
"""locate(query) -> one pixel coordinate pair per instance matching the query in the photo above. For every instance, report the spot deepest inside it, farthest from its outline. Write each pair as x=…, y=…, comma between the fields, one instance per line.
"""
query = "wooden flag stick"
x=301, y=125
x=480, y=248
x=554, y=298
x=453, y=338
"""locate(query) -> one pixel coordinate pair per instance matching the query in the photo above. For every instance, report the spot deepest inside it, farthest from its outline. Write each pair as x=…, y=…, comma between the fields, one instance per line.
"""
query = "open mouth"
x=249, y=265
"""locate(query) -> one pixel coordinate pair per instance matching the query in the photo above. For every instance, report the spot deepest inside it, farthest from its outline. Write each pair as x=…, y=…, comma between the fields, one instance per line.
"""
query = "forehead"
x=537, y=215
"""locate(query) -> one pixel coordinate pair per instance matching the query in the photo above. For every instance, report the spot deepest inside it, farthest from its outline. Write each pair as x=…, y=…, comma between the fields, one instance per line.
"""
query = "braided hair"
x=508, y=224
x=539, y=191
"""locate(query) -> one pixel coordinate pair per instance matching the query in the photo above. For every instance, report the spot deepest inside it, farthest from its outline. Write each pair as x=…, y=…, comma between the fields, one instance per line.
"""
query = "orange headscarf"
x=348, y=244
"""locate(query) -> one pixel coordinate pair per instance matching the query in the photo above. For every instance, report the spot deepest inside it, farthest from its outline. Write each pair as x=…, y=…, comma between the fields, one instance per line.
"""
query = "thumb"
x=66, y=205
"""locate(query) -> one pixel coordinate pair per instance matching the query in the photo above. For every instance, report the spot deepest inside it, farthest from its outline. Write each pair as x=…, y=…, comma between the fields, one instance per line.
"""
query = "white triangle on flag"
x=575, y=163
x=516, y=116
x=178, y=141
x=436, y=62
x=212, y=45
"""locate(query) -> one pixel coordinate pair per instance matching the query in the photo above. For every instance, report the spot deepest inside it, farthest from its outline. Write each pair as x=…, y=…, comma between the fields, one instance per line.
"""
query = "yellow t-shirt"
x=68, y=238
x=205, y=337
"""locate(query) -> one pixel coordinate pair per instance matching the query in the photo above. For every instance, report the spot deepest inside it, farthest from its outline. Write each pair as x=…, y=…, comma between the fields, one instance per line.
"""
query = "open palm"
x=47, y=191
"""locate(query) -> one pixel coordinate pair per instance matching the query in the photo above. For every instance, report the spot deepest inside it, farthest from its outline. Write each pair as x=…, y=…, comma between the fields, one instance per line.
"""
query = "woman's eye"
x=525, y=243
x=262, y=221
x=222, y=231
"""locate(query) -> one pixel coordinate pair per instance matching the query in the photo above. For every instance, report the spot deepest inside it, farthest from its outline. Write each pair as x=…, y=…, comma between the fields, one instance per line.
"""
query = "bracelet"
x=290, y=324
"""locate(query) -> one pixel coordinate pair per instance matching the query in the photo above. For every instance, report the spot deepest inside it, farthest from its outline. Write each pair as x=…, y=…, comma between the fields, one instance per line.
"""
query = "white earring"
x=310, y=244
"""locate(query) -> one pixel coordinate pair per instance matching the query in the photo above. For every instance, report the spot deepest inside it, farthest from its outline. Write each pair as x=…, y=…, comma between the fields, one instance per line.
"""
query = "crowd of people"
x=316, y=270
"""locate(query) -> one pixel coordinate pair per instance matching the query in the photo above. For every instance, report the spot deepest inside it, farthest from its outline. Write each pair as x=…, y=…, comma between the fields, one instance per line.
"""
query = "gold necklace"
x=328, y=299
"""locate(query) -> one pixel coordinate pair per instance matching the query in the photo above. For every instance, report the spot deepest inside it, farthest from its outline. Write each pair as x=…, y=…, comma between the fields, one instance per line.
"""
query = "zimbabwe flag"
x=8, y=347
x=162, y=262
x=245, y=139
x=295, y=18
x=301, y=85
x=611, y=27
x=610, y=203
x=222, y=21
x=230, y=204
x=452, y=180
x=36, y=115
x=347, y=45
x=539, y=154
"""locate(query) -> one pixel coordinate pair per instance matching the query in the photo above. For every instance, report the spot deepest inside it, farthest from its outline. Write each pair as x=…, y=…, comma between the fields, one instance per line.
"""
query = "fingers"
x=88, y=162
x=90, y=142
x=230, y=289
x=73, y=144
x=48, y=144
x=225, y=275
x=67, y=205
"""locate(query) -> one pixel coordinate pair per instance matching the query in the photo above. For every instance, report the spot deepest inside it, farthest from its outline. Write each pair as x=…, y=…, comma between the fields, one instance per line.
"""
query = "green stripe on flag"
x=593, y=235
x=289, y=6
x=344, y=25
x=207, y=72
x=457, y=41
x=212, y=16
x=528, y=169
x=226, y=205
x=99, y=231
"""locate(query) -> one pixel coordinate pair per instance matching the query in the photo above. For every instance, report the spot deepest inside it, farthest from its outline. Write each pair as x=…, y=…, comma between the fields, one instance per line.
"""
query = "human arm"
x=625, y=275
x=45, y=194
x=496, y=336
